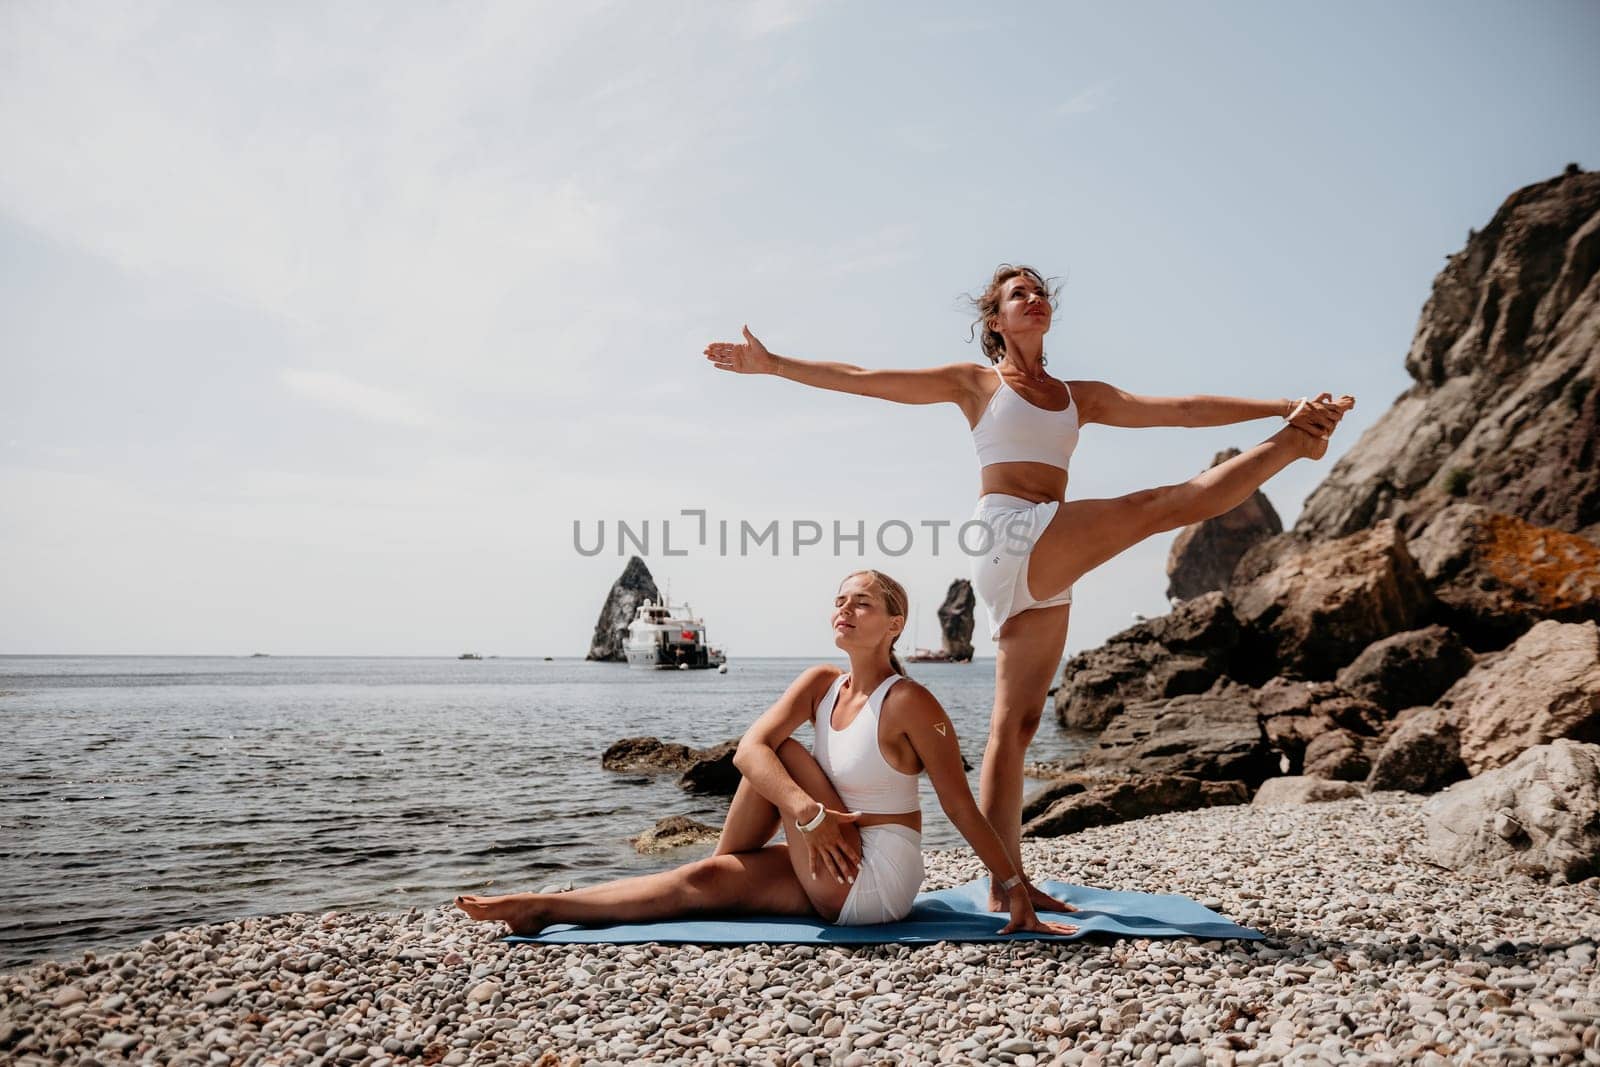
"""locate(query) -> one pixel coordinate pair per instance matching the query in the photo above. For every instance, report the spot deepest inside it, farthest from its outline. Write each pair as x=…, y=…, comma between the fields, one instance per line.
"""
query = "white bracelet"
x=1011, y=883
x=1295, y=409
x=822, y=813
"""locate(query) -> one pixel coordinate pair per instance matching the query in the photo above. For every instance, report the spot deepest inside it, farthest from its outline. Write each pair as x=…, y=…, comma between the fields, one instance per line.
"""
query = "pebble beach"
x=1370, y=957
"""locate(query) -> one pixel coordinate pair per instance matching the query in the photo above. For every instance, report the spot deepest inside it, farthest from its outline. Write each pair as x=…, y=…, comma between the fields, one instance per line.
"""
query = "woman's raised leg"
x=761, y=882
x=1026, y=655
x=752, y=821
x=1086, y=533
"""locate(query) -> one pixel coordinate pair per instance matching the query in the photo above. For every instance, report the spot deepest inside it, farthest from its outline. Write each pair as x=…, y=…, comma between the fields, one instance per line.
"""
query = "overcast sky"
x=320, y=327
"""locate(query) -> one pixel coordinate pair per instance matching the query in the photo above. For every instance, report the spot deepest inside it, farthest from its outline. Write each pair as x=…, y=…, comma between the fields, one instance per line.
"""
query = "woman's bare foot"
x=520, y=911
x=1040, y=900
x=1315, y=420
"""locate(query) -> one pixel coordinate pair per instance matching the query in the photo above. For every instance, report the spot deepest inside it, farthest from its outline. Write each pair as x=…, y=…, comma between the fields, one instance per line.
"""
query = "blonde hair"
x=895, y=601
x=988, y=305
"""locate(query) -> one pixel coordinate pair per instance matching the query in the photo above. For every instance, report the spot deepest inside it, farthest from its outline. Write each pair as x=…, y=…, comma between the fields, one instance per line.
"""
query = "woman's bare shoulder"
x=910, y=701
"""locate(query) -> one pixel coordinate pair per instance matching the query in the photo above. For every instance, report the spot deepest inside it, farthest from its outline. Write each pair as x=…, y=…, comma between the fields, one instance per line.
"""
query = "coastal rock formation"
x=633, y=588
x=1212, y=735
x=702, y=770
x=1421, y=755
x=647, y=755
x=1121, y=799
x=713, y=771
x=1539, y=816
x=1178, y=654
x=1407, y=669
x=1276, y=792
x=955, y=621
x=1496, y=575
x=675, y=831
x=1318, y=605
x=1544, y=687
x=1503, y=411
x=1204, y=555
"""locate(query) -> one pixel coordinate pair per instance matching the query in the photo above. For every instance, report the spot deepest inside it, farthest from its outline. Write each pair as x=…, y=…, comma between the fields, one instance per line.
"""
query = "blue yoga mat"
x=955, y=914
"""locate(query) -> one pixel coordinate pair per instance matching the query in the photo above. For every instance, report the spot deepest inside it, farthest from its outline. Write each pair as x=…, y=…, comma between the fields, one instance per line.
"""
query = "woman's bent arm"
x=757, y=755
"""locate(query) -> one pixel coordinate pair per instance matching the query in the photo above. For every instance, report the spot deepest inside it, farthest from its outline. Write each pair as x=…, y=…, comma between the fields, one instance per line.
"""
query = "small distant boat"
x=664, y=636
x=469, y=655
x=260, y=655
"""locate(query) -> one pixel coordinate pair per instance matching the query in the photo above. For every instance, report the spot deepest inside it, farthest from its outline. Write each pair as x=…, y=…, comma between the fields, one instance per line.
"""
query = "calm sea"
x=140, y=794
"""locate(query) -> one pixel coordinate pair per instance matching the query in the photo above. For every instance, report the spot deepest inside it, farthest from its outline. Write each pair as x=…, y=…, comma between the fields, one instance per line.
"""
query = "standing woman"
x=1025, y=424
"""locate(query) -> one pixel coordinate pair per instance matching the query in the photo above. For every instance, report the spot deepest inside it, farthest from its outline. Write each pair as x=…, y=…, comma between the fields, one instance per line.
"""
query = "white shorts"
x=890, y=875
x=1000, y=575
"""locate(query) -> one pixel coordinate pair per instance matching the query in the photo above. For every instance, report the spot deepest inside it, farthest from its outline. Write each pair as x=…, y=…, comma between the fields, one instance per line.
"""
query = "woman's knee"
x=706, y=877
x=1014, y=730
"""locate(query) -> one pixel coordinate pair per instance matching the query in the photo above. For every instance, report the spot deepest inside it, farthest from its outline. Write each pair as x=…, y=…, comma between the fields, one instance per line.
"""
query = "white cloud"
x=1087, y=100
x=369, y=402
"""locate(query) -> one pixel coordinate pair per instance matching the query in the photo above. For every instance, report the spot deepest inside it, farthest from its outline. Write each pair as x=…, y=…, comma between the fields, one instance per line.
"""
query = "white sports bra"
x=1012, y=430
x=854, y=763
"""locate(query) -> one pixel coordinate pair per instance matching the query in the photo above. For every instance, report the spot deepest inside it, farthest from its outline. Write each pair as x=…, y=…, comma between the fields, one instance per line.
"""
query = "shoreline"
x=1371, y=955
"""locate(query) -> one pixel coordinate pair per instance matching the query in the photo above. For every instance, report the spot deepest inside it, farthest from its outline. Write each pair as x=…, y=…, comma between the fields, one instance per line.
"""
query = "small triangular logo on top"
x=940, y=727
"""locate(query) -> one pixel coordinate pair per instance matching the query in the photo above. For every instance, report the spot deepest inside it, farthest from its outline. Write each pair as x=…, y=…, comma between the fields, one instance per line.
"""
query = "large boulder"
x=1495, y=575
x=1294, y=714
x=1277, y=792
x=1407, y=669
x=1545, y=686
x=1339, y=755
x=701, y=770
x=1539, y=816
x=1174, y=655
x=647, y=755
x=633, y=588
x=1317, y=606
x=1203, y=555
x=1212, y=735
x=1135, y=797
x=713, y=771
x=1504, y=410
x=1422, y=754
x=955, y=621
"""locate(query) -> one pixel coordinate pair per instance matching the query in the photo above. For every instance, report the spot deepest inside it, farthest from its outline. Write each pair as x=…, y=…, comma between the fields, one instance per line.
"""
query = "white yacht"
x=664, y=636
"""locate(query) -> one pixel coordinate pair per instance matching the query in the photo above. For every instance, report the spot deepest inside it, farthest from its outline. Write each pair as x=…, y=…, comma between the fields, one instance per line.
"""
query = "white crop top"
x=1012, y=430
x=854, y=763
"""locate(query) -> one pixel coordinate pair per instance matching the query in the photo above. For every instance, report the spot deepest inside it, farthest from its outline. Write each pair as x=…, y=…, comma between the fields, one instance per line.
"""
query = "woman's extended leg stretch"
x=743, y=876
x=1086, y=533
x=1080, y=536
x=760, y=882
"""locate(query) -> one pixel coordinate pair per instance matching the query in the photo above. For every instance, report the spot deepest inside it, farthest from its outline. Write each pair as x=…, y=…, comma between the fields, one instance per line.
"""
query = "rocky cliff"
x=1432, y=617
x=955, y=621
x=633, y=588
x=1503, y=409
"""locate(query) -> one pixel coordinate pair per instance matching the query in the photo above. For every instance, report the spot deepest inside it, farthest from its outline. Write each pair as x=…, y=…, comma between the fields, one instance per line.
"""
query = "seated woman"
x=848, y=808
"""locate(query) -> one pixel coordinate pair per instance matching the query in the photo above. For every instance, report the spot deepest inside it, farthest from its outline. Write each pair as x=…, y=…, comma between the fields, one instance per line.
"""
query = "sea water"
x=140, y=794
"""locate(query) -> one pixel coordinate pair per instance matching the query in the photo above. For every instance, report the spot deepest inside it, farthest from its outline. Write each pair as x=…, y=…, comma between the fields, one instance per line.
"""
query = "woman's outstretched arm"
x=956, y=383
x=757, y=759
x=933, y=737
x=1110, y=406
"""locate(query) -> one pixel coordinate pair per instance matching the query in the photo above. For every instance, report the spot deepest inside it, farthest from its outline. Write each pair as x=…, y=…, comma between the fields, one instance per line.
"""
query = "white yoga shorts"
x=890, y=875
x=1000, y=575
